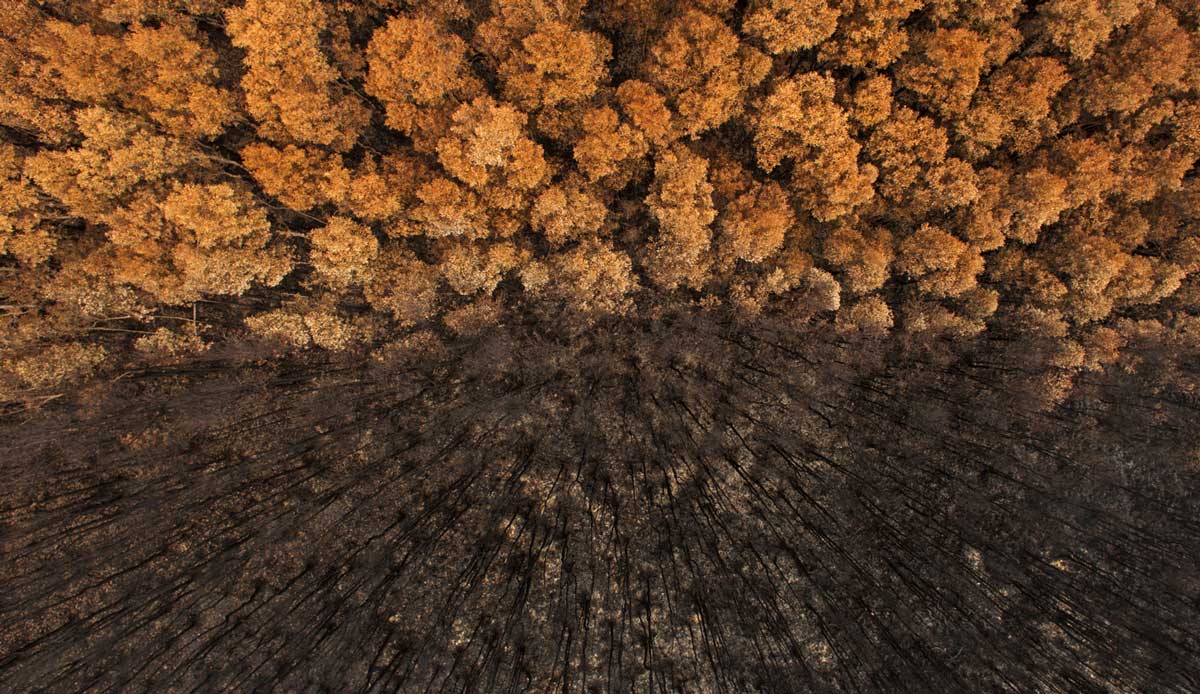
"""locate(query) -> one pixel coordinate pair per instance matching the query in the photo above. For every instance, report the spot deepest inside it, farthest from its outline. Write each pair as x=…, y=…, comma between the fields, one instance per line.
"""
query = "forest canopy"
x=600, y=345
x=180, y=176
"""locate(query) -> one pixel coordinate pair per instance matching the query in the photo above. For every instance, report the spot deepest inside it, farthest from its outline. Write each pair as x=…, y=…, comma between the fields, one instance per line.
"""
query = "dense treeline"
x=624, y=345
x=341, y=176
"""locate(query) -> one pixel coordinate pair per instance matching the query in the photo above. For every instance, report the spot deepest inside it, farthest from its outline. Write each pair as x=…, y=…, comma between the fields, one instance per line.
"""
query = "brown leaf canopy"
x=363, y=170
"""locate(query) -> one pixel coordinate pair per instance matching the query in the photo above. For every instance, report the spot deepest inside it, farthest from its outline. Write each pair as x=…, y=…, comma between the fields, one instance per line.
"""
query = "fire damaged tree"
x=623, y=345
x=682, y=505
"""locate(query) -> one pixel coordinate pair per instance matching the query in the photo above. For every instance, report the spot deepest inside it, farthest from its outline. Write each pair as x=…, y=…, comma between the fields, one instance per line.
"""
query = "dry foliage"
x=933, y=169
